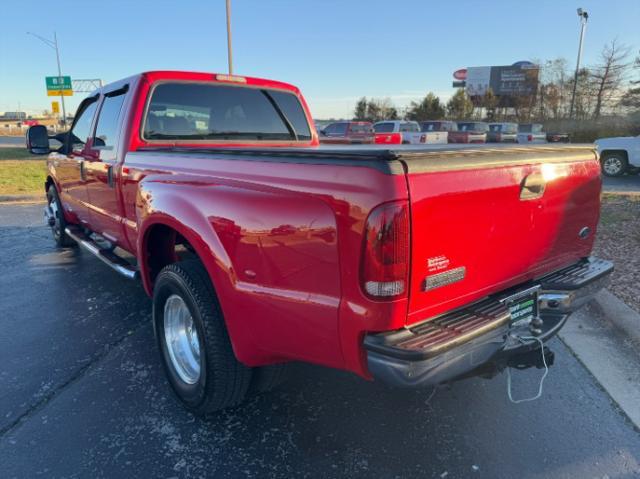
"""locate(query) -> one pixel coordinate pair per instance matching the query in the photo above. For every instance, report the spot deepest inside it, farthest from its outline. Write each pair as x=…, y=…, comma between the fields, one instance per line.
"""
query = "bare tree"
x=607, y=77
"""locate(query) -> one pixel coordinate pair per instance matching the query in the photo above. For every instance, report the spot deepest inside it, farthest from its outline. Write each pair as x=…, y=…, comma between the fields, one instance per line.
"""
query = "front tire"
x=614, y=164
x=194, y=345
x=59, y=224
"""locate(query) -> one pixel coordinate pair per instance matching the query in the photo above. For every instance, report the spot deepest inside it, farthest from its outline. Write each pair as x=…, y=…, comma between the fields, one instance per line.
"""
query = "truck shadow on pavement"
x=85, y=389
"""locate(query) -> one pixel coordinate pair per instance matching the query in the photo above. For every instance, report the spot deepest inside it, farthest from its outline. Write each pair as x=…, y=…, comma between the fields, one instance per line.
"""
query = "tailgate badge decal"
x=437, y=263
x=442, y=279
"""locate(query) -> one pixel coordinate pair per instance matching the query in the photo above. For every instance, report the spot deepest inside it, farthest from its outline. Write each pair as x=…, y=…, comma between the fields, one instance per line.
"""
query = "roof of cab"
x=168, y=75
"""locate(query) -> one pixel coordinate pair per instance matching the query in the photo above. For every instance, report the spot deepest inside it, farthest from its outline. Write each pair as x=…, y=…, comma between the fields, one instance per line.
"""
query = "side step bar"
x=107, y=256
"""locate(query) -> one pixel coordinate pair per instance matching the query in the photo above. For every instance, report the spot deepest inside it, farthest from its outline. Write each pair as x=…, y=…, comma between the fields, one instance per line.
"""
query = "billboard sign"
x=506, y=82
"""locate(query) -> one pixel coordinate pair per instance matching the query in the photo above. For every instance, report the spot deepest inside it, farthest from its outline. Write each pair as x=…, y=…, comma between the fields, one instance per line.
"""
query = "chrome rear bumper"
x=452, y=345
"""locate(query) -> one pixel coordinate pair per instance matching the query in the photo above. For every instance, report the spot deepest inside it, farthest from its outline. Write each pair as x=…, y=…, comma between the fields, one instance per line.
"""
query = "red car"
x=414, y=266
x=347, y=133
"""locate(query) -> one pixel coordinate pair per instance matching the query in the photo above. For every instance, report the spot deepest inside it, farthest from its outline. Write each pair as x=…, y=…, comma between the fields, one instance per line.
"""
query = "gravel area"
x=619, y=241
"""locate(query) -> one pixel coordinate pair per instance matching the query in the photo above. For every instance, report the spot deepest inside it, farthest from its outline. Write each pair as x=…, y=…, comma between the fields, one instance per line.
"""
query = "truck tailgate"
x=483, y=220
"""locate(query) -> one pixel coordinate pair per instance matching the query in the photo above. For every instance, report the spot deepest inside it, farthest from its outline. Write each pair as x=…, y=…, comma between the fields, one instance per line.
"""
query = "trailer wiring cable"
x=523, y=339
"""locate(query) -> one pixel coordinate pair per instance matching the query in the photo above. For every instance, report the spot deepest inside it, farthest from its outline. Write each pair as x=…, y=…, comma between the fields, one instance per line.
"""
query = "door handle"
x=110, y=180
x=532, y=187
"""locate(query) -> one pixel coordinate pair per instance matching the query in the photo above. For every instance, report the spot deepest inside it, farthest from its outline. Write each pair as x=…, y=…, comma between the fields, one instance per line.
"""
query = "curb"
x=11, y=199
x=618, y=314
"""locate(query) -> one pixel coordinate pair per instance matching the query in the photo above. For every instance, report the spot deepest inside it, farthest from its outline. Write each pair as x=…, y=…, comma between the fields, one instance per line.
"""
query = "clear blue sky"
x=334, y=50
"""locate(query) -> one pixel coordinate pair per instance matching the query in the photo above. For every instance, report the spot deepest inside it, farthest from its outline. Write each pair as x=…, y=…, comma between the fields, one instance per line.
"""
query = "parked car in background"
x=451, y=127
x=347, y=133
x=502, y=133
x=619, y=155
x=473, y=132
x=531, y=133
x=558, y=138
x=396, y=132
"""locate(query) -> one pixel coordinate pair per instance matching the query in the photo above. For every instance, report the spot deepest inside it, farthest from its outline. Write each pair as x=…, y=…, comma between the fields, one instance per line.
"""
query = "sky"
x=335, y=51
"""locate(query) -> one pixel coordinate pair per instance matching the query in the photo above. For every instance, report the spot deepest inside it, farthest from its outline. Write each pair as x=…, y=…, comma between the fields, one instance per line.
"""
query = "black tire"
x=223, y=381
x=267, y=378
x=57, y=229
x=614, y=163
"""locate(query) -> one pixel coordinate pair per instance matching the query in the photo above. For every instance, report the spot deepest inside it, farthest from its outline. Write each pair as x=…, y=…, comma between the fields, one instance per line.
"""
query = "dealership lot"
x=83, y=394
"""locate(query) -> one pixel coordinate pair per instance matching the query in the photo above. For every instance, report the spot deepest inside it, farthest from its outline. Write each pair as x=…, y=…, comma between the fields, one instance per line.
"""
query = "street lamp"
x=229, y=52
x=584, y=16
x=54, y=44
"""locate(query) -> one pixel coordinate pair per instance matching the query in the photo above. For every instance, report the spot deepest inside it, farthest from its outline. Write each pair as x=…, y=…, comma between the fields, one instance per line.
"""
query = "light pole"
x=584, y=16
x=54, y=44
x=229, y=51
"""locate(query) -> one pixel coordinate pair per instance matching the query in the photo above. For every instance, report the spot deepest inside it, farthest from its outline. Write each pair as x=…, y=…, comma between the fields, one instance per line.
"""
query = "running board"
x=107, y=256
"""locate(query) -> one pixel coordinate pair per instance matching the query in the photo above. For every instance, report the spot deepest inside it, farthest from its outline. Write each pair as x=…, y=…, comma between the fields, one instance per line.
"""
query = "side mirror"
x=322, y=133
x=38, y=140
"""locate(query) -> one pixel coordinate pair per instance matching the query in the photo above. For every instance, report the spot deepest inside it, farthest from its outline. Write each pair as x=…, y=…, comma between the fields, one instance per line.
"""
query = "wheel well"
x=622, y=152
x=48, y=183
x=164, y=246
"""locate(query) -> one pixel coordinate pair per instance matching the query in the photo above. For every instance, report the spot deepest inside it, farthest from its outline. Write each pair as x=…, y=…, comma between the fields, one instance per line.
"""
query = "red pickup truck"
x=413, y=266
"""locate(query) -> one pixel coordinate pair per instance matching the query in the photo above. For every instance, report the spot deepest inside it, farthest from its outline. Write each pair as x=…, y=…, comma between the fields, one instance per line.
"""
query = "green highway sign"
x=59, y=86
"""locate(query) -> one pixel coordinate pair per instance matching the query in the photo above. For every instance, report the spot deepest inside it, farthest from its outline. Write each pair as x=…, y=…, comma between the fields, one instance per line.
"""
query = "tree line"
x=611, y=86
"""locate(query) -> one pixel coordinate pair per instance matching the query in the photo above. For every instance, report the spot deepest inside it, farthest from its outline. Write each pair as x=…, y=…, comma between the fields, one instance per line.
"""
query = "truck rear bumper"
x=466, y=340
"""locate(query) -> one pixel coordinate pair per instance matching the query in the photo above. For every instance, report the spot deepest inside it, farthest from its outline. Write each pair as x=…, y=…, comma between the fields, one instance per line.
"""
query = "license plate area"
x=522, y=306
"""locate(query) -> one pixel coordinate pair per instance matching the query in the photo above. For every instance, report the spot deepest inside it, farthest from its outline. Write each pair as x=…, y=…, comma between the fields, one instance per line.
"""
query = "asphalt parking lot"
x=625, y=184
x=83, y=395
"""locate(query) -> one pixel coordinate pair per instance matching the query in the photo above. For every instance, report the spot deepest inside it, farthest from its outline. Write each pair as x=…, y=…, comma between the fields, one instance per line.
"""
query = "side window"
x=107, y=131
x=330, y=129
x=341, y=128
x=82, y=128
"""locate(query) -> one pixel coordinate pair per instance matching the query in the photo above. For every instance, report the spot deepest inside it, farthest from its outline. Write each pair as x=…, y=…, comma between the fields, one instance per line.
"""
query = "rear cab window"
x=386, y=127
x=360, y=128
x=194, y=111
x=409, y=127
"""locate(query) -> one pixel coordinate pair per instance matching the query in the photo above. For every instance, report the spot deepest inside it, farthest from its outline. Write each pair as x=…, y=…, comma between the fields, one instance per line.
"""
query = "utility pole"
x=54, y=44
x=229, y=51
x=584, y=16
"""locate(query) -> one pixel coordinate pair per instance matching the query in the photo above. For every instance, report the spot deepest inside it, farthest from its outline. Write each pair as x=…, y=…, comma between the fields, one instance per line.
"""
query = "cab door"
x=69, y=166
x=101, y=167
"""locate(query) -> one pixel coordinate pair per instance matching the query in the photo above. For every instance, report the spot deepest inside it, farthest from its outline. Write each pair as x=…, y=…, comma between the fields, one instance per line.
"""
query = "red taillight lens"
x=385, y=261
x=529, y=137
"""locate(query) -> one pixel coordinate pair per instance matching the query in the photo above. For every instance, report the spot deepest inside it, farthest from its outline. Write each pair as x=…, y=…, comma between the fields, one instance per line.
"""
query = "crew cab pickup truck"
x=347, y=133
x=401, y=132
x=451, y=127
x=619, y=155
x=472, y=132
x=413, y=265
x=502, y=133
x=531, y=133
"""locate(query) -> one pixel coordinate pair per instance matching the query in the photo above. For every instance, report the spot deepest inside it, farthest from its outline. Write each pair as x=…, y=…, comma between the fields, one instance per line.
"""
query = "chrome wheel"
x=181, y=337
x=54, y=217
x=612, y=166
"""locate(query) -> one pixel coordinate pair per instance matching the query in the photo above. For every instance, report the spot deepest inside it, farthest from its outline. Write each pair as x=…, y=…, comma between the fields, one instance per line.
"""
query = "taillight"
x=423, y=138
x=385, y=260
x=529, y=137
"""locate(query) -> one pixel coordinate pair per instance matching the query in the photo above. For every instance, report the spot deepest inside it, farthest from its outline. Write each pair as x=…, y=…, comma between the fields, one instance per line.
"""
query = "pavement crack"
x=73, y=379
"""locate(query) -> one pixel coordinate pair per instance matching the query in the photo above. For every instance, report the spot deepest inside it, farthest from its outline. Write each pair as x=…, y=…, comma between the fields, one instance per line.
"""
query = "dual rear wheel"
x=194, y=345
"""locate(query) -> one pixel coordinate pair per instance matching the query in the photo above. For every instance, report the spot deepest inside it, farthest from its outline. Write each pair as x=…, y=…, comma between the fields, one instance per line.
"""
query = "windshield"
x=196, y=111
x=474, y=126
x=361, y=128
